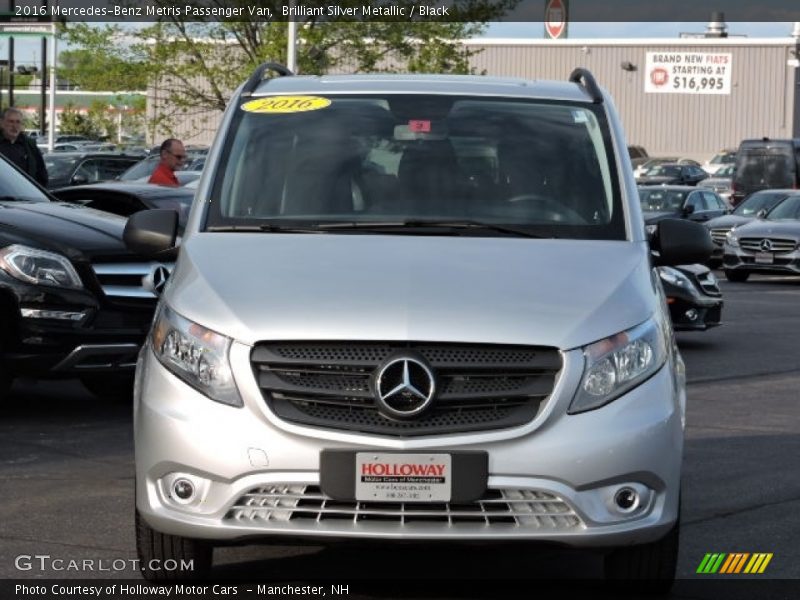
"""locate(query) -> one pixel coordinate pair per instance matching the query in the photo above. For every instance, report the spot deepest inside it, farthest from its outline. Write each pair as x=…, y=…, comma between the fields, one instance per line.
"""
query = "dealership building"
x=688, y=96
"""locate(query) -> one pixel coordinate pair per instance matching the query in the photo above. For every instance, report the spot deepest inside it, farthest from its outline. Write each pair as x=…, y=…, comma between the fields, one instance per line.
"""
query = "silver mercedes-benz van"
x=414, y=308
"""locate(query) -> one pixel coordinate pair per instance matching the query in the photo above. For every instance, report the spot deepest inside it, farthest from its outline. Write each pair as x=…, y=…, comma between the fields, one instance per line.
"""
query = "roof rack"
x=258, y=76
x=589, y=83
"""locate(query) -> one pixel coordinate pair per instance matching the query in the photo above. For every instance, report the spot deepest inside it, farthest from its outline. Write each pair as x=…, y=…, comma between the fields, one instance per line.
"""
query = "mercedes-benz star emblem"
x=766, y=245
x=404, y=387
x=156, y=279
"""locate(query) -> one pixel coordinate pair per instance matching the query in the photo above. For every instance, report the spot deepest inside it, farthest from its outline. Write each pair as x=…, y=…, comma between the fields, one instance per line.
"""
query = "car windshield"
x=659, y=200
x=142, y=169
x=15, y=186
x=726, y=171
x=724, y=158
x=547, y=167
x=788, y=210
x=664, y=171
x=59, y=167
x=758, y=201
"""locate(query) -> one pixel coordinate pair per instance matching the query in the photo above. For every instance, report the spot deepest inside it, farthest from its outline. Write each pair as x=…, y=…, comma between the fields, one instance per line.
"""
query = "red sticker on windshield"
x=419, y=126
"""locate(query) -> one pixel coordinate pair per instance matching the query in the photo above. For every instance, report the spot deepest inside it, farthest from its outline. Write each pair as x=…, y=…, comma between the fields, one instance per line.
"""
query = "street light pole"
x=291, y=50
x=51, y=138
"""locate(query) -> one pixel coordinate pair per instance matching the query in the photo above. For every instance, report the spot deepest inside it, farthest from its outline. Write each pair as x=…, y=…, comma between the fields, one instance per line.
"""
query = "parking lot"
x=66, y=475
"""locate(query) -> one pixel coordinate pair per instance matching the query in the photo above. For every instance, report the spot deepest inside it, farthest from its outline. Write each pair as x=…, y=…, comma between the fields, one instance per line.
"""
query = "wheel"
x=118, y=386
x=158, y=550
x=738, y=275
x=647, y=568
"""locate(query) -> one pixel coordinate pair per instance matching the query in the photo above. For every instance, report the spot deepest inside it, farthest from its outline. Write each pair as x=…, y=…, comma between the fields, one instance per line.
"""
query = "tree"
x=193, y=66
x=75, y=123
x=199, y=64
x=104, y=59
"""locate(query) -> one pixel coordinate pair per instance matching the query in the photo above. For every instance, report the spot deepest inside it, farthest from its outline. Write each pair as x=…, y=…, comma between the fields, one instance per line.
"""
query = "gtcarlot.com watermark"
x=48, y=563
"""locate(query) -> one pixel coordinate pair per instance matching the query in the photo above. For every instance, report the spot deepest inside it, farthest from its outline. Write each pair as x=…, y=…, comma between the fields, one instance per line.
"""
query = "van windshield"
x=542, y=166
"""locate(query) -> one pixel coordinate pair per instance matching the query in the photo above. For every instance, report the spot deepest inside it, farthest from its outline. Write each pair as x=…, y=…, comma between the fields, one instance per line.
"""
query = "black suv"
x=74, y=302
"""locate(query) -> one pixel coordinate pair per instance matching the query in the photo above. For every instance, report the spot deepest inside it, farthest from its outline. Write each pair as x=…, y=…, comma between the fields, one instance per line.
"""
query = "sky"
x=28, y=50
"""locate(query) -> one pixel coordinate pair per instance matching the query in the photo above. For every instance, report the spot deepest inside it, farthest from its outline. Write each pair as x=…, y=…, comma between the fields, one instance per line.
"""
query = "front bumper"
x=52, y=332
x=553, y=479
x=737, y=259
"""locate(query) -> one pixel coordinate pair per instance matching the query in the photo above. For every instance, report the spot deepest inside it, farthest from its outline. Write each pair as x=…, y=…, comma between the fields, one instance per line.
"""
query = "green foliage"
x=192, y=66
x=105, y=59
x=75, y=123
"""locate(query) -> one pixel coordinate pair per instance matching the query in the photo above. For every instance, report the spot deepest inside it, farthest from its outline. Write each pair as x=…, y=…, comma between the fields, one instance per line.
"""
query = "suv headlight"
x=197, y=355
x=731, y=239
x=618, y=363
x=39, y=267
x=675, y=277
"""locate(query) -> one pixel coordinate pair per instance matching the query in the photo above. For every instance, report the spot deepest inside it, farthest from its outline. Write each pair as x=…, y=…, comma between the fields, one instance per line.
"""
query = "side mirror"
x=152, y=233
x=761, y=213
x=688, y=210
x=80, y=179
x=680, y=242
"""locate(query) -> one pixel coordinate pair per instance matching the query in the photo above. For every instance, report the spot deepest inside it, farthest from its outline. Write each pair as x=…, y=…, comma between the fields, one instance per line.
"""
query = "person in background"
x=19, y=149
x=173, y=156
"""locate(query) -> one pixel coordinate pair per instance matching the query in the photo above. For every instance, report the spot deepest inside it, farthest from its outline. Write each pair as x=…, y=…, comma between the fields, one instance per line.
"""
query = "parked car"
x=723, y=158
x=679, y=202
x=673, y=174
x=78, y=168
x=638, y=155
x=768, y=245
x=343, y=349
x=74, y=302
x=693, y=296
x=766, y=164
x=142, y=170
x=125, y=199
x=721, y=182
x=653, y=162
x=757, y=205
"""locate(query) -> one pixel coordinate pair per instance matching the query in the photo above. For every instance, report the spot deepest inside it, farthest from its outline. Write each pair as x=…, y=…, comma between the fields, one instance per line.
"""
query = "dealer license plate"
x=764, y=258
x=389, y=477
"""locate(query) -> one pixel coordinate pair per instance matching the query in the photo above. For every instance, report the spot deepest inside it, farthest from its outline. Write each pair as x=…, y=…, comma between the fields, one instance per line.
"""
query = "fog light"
x=183, y=489
x=691, y=314
x=626, y=499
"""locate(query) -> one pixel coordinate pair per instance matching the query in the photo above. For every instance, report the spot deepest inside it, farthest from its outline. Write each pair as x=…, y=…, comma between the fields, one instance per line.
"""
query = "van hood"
x=274, y=286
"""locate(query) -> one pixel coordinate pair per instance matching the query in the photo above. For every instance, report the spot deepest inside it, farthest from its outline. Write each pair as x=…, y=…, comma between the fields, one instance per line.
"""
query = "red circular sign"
x=659, y=76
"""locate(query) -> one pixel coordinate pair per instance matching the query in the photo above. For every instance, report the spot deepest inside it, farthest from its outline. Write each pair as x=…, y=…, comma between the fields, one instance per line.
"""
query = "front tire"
x=738, y=276
x=155, y=549
x=648, y=568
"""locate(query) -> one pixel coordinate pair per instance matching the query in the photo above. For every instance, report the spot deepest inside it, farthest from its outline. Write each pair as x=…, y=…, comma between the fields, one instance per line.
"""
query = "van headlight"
x=618, y=363
x=39, y=267
x=197, y=355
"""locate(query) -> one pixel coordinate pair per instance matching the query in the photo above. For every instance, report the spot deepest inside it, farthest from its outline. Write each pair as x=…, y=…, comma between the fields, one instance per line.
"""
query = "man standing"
x=173, y=155
x=19, y=149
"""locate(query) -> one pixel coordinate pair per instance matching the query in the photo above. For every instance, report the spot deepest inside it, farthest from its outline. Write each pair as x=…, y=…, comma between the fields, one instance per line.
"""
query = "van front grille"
x=271, y=505
x=331, y=385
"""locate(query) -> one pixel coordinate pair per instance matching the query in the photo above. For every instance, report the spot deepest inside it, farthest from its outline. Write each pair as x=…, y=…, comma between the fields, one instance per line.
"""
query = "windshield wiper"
x=265, y=227
x=415, y=223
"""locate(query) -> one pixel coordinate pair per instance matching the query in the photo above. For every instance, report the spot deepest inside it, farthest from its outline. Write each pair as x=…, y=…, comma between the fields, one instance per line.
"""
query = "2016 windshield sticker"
x=285, y=104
